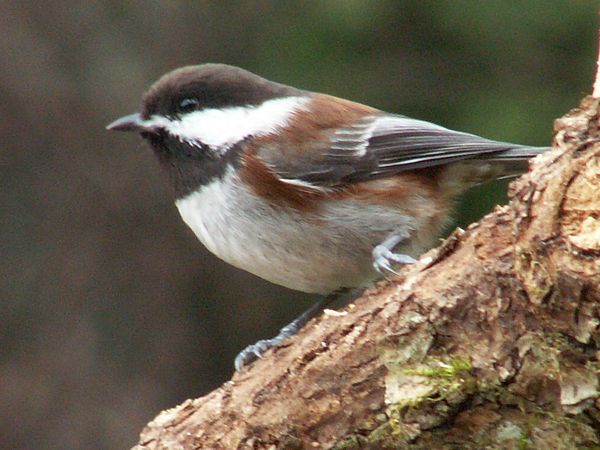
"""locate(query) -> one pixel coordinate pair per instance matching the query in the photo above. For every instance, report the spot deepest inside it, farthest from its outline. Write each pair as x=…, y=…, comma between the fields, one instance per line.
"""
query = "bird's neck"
x=189, y=167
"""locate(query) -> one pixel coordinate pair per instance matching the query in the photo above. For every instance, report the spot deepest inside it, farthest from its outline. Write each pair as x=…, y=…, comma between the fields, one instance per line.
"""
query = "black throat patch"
x=190, y=167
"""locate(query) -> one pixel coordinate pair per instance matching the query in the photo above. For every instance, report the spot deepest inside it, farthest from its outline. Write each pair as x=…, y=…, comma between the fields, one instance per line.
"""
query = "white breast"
x=319, y=253
x=209, y=212
x=248, y=233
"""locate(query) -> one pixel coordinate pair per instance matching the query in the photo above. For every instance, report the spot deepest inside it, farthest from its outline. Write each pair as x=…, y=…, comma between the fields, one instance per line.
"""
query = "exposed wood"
x=596, y=88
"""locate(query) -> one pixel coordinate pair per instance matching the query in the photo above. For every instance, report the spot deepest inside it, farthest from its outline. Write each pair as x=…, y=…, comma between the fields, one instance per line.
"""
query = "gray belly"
x=328, y=249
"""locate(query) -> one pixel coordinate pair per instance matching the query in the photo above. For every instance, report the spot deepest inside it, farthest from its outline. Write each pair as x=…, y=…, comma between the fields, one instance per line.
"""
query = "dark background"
x=110, y=309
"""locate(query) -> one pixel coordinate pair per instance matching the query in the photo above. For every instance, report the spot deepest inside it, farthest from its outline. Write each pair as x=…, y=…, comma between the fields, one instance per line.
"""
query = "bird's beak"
x=131, y=122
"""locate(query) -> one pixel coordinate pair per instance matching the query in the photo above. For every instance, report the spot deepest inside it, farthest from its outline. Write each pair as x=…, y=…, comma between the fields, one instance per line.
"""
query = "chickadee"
x=306, y=190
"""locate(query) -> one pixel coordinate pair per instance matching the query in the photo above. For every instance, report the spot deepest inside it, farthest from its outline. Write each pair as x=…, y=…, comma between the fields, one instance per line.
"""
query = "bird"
x=306, y=190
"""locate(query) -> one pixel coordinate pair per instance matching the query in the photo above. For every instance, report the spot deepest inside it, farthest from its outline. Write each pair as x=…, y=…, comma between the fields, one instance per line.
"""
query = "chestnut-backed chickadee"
x=306, y=190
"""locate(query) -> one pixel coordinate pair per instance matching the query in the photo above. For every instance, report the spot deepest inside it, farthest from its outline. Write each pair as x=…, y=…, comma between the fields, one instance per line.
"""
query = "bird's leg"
x=384, y=257
x=255, y=351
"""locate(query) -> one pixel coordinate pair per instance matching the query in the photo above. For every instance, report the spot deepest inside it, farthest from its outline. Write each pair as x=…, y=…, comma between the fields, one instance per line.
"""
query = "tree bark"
x=490, y=340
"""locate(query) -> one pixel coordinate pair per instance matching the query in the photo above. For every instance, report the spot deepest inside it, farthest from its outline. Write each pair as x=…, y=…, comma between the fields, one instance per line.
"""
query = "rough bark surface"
x=491, y=340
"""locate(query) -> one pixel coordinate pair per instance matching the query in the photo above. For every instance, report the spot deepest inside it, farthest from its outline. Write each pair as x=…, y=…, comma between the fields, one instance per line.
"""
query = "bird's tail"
x=512, y=162
x=505, y=163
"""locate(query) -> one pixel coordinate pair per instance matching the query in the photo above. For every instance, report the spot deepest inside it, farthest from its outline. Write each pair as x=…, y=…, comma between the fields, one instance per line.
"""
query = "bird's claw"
x=253, y=352
x=383, y=258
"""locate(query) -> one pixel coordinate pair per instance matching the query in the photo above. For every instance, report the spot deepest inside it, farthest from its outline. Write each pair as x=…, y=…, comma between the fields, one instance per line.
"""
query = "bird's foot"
x=255, y=351
x=384, y=260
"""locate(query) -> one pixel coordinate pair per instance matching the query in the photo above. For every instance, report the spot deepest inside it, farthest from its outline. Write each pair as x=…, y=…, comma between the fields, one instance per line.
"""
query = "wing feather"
x=380, y=145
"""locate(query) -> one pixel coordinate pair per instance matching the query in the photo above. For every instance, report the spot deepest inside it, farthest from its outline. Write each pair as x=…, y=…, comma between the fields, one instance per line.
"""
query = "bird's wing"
x=376, y=146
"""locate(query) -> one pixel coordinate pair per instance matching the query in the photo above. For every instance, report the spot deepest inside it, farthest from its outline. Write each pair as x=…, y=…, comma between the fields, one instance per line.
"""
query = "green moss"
x=393, y=434
x=521, y=424
x=449, y=370
x=353, y=442
x=436, y=379
x=534, y=275
x=423, y=391
x=524, y=441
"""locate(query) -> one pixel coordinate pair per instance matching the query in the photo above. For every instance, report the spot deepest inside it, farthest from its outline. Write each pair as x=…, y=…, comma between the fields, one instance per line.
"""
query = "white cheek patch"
x=221, y=128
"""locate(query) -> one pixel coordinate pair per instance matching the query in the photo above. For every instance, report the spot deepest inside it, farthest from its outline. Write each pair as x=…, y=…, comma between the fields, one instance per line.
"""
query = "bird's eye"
x=188, y=105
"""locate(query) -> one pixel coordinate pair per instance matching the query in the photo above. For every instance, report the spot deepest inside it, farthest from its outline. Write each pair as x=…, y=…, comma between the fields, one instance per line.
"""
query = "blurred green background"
x=110, y=309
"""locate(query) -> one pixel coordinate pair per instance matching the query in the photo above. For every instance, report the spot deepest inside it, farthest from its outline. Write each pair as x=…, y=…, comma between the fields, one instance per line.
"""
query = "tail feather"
x=461, y=175
x=512, y=162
